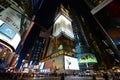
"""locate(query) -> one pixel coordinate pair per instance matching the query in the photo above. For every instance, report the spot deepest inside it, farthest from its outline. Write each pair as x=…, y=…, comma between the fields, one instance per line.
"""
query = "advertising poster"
x=12, y=18
x=71, y=63
x=55, y=64
x=87, y=58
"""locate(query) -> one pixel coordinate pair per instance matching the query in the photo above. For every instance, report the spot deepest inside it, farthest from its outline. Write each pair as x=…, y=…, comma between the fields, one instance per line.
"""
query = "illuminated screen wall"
x=8, y=35
x=63, y=25
x=87, y=58
x=117, y=41
x=62, y=43
x=7, y=31
x=55, y=64
x=25, y=65
x=12, y=18
x=41, y=64
x=71, y=63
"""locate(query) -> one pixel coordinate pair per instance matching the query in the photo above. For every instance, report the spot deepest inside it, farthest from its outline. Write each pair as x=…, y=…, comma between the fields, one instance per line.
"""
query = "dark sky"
x=45, y=14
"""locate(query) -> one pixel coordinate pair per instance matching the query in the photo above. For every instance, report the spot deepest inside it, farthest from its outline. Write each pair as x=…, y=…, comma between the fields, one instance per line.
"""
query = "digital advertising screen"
x=7, y=31
x=41, y=65
x=117, y=41
x=36, y=66
x=87, y=58
x=54, y=64
x=12, y=18
x=63, y=25
x=25, y=65
x=13, y=42
x=71, y=63
x=8, y=35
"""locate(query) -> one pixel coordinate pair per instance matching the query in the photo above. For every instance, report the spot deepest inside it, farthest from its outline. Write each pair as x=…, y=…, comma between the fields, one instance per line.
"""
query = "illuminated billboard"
x=117, y=41
x=87, y=58
x=12, y=18
x=71, y=63
x=7, y=31
x=41, y=64
x=54, y=64
x=8, y=35
x=64, y=26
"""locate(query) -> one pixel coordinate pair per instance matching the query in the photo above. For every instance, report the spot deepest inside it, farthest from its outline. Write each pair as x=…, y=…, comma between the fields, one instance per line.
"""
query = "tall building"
x=107, y=18
x=83, y=40
x=11, y=29
x=63, y=34
x=61, y=55
x=68, y=47
x=35, y=54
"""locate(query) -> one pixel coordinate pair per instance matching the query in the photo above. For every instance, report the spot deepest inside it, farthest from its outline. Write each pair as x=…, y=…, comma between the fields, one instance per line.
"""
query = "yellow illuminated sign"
x=6, y=46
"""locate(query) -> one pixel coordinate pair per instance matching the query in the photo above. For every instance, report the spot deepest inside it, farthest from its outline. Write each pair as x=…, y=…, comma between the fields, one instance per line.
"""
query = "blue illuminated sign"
x=7, y=31
x=117, y=41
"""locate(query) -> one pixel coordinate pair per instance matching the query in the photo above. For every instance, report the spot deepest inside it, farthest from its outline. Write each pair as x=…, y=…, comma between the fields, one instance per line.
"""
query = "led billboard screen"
x=7, y=31
x=117, y=41
x=63, y=25
x=41, y=64
x=87, y=58
x=8, y=35
x=12, y=18
x=54, y=64
x=71, y=63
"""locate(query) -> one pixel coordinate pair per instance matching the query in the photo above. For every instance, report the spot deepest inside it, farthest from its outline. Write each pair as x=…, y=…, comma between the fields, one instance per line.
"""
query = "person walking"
x=94, y=77
x=62, y=76
x=105, y=76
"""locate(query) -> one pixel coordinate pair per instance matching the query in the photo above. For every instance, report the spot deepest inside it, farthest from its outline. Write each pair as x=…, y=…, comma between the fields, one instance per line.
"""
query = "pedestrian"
x=105, y=76
x=62, y=76
x=94, y=77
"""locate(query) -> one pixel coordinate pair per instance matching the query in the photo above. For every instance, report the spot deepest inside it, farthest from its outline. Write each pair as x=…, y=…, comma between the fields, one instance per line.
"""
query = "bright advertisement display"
x=55, y=64
x=7, y=31
x=87, y=58
x=63, y=25
x=117, y=41
x=71, y=63
x=8, y=35
x=12, y=18
x=25, y=65
x=41, y=65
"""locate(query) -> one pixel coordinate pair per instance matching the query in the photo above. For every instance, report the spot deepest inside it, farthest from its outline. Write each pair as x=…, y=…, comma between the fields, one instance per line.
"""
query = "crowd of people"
x=105, y=75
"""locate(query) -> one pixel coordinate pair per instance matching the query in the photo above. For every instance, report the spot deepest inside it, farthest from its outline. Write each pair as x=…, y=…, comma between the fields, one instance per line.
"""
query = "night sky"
x=46, y=13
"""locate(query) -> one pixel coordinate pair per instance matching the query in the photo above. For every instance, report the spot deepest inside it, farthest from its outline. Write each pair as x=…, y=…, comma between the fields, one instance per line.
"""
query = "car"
x=89, y=72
